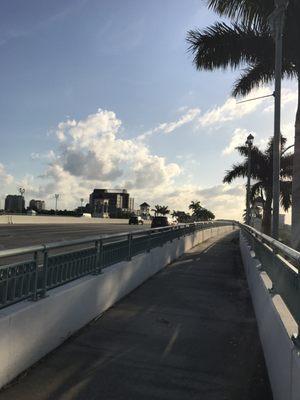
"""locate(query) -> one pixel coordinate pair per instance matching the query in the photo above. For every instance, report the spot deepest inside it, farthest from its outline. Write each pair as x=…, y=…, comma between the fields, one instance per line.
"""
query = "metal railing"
x=31, y=279
x=281, y=263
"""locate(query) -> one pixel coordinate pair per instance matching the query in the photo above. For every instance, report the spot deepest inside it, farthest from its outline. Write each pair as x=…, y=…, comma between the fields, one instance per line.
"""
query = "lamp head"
x=249, y=141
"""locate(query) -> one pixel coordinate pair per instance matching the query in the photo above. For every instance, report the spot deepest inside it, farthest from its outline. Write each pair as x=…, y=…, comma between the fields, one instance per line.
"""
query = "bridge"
x=204, y=310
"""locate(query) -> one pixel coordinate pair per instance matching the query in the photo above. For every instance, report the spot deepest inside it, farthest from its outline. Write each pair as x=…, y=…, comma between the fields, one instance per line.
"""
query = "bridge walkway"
x=187, y=333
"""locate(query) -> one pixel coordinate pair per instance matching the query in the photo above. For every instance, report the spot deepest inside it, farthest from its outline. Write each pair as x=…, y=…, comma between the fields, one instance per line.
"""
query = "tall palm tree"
x=247, y=40
x=262, y=173
x=162, y=210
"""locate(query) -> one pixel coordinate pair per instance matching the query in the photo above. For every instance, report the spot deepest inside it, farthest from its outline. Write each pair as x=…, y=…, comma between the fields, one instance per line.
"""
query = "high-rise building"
x=37, y=205
x=14, y=203
x=117, y=200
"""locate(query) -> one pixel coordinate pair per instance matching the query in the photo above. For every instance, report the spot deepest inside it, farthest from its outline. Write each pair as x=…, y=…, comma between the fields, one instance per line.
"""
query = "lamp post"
x=249, y=144
x=276, y=22
x=56, y=199
x=22, y=192
x=81, y=203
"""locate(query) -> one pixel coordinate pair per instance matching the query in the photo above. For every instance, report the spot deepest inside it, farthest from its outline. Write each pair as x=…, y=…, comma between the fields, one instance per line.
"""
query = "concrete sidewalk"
x=187, y=333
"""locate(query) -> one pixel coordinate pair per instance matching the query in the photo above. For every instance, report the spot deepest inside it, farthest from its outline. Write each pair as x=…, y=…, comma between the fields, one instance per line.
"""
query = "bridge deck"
x=187, y=333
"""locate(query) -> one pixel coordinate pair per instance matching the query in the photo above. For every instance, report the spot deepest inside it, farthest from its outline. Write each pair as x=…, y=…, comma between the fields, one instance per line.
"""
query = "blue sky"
x=63, y=60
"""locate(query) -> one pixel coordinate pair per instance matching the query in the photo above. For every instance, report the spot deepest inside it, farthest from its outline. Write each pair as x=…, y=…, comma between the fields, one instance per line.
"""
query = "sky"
x=98, y=93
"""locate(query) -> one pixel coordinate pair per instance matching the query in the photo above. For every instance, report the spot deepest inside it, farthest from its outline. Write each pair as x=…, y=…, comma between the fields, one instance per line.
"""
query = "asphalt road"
x=13, y=236
x=188, y=333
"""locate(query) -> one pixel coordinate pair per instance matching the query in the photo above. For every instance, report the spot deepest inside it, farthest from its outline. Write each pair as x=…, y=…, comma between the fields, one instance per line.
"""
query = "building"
x=281, y=220
x=144, y=211
x=116, y=201
x=37, y=205
x=14, y=203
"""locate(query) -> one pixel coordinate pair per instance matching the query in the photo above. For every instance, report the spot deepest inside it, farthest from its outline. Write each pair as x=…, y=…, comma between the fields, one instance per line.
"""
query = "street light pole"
x=22, y=192
x=56, y=199
x=249, y=144
x=276, y=21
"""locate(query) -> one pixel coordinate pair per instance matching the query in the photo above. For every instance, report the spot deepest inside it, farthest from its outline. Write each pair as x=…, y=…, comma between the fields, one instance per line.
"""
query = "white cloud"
x=5, y=178
x=231, y=110
x=289, y=97
x=239, y=137
x=49, y=155
x=92, y=154
x=168, y=127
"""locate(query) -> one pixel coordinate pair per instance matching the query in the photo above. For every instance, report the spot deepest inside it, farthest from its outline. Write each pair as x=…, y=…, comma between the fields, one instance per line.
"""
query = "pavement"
x=187, y=333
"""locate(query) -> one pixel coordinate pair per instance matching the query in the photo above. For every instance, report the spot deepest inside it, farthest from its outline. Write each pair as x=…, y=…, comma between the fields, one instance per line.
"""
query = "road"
x=188, y=333
x=13, y=236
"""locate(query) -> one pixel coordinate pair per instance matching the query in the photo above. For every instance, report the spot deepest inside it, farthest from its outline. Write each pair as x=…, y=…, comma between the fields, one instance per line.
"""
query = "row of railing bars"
x=33, y=278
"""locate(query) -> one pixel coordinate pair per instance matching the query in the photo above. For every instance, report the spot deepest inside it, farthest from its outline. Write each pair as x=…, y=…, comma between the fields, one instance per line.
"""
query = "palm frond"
x=248, y=11
x=261, y=72
x=237, y=171
x=286, y=164
x=222, y=46
x=286, y=194
x=256, y=190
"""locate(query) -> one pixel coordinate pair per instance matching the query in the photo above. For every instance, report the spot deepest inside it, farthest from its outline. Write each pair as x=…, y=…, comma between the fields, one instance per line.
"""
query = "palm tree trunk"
x=296, y=180
x=267, y=214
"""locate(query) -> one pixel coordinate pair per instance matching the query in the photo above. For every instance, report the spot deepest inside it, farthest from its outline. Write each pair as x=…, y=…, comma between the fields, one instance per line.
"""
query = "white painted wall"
x=276, y=326
x=30, y=330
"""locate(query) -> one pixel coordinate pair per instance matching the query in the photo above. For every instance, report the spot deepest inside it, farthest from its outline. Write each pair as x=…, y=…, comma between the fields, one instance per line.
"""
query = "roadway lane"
x=12, y=236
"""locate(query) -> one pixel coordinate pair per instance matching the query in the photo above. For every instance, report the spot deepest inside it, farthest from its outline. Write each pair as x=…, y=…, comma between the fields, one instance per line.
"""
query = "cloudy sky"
x=103, y=93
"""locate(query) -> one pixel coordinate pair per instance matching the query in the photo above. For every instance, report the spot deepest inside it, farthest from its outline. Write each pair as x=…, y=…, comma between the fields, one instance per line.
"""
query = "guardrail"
x=281, y=263
x=31, y=279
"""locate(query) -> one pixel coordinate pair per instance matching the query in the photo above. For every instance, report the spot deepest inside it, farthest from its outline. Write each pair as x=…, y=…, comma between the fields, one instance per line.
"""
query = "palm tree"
x=247, y=40
x=200, y=213
x=195, y=206
x=262, y=173
x=162, y=210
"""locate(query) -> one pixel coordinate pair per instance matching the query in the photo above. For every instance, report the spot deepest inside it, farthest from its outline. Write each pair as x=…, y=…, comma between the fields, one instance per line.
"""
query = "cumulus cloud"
x=92, y=154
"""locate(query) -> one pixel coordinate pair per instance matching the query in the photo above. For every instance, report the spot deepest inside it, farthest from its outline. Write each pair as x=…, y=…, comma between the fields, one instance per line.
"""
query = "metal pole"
x=276, y=23
x=248, y=186
x=249, y=143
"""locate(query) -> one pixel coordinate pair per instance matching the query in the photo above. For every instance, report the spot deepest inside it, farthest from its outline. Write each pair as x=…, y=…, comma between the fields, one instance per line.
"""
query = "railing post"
x=45, y=272
x=99, y=257
x=129, y=237
x=35, y=283
x=149, y=242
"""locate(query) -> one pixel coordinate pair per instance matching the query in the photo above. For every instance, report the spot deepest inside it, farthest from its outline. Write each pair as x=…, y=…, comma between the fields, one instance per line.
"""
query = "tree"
x=247, y=40
x=162, y=210
x=262, y=174
x=200, y=213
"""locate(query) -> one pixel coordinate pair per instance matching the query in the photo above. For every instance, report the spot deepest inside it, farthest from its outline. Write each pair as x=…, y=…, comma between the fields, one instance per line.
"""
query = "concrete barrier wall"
x=46, y=219
x=276, y=326
x=30, y=330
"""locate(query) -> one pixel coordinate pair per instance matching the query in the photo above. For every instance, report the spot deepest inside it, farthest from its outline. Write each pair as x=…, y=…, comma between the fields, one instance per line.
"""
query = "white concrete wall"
x=276, y=326
x=29, y=330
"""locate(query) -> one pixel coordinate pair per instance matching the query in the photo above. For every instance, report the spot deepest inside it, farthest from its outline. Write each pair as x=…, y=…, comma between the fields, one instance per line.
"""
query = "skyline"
x=130, y=113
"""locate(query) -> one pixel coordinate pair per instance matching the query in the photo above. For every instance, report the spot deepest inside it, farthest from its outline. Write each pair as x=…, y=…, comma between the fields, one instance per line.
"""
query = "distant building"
x=14, y=203
x=37, y=205
x=144, y=211
x=116, y=201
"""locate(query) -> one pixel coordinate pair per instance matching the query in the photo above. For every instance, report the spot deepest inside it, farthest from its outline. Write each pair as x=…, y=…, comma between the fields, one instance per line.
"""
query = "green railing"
x=281, y=263
x=45, y=269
